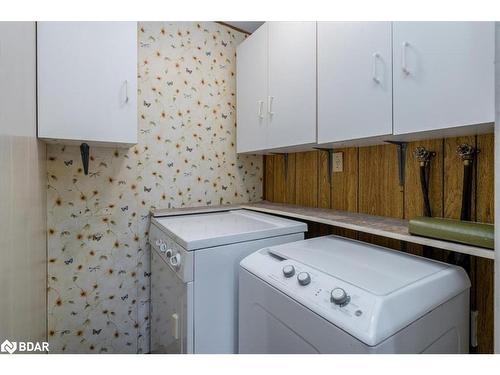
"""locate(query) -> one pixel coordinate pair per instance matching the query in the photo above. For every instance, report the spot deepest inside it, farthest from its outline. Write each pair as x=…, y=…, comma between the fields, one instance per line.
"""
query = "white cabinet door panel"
x=292, y=84
x=251, y=89
x=449, y=78
x=86, y=72
x=354, y=80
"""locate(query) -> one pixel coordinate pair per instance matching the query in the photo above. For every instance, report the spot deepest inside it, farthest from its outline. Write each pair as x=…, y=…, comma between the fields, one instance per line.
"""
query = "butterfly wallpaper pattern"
x=99, y=271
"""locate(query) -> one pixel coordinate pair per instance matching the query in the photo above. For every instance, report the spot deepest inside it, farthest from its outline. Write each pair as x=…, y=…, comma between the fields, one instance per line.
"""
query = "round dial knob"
x=339, y=297
x=289, y=270
x=175, y=260
x=163, y=247
x=303, y=278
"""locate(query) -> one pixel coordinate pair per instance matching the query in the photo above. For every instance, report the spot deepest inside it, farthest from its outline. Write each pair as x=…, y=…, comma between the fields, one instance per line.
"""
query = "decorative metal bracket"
x=330, y=161
x=401, y=159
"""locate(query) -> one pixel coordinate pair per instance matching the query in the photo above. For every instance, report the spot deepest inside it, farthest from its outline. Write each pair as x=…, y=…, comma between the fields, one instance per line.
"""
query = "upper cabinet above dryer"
x=354, y=81
x=251, y=92
x=87, y=82
x=292, y=84
x=376, y=82
x=443, y=75
x=276, y=88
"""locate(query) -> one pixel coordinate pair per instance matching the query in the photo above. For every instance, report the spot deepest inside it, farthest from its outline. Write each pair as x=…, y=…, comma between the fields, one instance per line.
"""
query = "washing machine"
x=335, y=295
x=194, y=275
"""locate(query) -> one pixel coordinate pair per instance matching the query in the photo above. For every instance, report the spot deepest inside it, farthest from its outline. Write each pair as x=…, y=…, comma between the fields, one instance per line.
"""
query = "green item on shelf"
x=467, y=232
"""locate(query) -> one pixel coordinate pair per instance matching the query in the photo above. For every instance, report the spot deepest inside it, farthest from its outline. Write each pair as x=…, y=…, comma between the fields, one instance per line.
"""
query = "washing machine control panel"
x=336, y=300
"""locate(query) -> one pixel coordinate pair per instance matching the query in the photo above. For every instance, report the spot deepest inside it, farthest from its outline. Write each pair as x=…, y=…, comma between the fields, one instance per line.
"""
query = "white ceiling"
x=248, y=26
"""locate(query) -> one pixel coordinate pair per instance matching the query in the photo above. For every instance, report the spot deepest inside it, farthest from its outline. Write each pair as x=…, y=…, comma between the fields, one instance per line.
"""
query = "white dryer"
x=334, y=295
x=194, y=275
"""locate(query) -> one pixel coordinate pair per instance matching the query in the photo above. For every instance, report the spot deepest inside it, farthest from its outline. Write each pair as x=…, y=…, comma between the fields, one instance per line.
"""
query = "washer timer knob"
x=289, y=270
x=303, y=278
x=339, y=297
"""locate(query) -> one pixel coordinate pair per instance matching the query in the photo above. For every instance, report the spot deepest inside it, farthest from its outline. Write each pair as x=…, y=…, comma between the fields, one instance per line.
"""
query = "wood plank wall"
x=369, y=183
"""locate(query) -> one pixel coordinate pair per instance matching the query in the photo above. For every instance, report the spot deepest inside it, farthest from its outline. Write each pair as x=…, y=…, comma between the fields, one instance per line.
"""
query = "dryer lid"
x=200, y=231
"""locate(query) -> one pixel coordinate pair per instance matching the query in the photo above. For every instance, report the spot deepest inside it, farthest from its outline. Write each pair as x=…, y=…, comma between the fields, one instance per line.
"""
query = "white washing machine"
x=194, y=275
x=334, y=295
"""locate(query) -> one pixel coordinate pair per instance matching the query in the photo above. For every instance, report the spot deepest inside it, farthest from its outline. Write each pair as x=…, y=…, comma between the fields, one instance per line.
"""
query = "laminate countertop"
x=377, y=225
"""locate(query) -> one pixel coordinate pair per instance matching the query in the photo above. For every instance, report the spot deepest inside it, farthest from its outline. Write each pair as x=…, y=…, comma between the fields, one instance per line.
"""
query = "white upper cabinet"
x=443, y=75
x=292, y=84
x=251, y=93
x=276, y=88
x=375, y=81
x=354, y=80
x=87, y=82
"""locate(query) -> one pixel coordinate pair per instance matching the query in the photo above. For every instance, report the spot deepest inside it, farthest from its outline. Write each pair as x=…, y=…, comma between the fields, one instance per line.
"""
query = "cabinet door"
x=87, y=81
x=292, y=84
x=251, y=89
x=443, y=75
x=354, y=80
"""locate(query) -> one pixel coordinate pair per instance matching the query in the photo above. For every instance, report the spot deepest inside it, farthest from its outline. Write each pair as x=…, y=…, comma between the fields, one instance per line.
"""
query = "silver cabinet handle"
x=375, y=78
x=261, y=105
x=403, y=58
x=270, y=105
x=126, y=91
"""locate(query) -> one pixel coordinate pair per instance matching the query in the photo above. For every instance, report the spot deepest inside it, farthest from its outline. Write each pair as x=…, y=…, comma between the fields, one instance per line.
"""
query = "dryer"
x=194, y=275
x=335, y=295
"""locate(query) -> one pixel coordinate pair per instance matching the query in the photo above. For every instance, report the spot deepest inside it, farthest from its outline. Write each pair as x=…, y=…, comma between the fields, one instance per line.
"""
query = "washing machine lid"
x=198, y=231
x=386, y=290
x=375, y=269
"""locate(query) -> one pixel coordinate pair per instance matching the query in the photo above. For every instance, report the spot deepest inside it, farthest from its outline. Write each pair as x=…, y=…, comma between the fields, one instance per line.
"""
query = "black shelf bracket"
x=401, y=160
x=330, y=162
x=85, y=152
x=285, y=163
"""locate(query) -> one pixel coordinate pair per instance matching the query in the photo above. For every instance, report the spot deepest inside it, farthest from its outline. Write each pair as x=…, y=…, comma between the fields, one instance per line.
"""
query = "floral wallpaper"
x=98, y=297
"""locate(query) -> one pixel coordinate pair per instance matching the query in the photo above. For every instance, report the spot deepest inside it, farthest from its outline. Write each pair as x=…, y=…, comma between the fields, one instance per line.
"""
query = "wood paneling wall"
x=369, y=183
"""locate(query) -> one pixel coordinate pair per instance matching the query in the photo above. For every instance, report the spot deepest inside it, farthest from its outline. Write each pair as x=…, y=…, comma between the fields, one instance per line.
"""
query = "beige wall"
x=22, y=191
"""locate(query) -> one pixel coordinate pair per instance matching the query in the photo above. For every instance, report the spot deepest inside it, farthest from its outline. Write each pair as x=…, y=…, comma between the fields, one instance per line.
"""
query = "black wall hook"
x=85, y=152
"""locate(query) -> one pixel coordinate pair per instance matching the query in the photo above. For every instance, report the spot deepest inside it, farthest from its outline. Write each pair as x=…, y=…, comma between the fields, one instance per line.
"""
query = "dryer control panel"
x=343, y=304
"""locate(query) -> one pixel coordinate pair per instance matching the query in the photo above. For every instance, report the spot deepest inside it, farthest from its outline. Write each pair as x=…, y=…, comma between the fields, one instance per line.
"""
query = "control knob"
x=175, y=260
x=163, y=247
x=339, y=297
x=289, y=270
x=304, y=278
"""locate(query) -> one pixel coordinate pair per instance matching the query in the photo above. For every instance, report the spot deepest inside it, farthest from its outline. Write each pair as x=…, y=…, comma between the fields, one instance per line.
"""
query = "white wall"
x=22, y=190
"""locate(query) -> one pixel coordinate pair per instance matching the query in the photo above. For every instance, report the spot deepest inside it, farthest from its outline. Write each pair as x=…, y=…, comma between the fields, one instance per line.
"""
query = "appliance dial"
x=289, y=270
x=169, y=253
x=304, y=278
x=339, y=297
x=158, y=242
x=163, y=247
x=175, y=260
